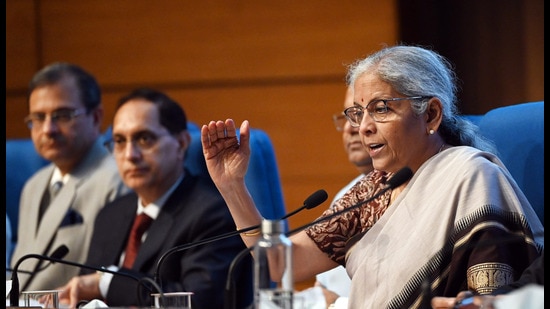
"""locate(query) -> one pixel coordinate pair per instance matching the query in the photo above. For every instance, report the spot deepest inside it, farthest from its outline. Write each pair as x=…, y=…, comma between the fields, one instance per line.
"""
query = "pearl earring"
x=432, y=132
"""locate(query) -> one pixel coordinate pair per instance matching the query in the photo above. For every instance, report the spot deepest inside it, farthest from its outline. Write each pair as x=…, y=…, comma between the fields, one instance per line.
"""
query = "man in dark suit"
x=150, y=140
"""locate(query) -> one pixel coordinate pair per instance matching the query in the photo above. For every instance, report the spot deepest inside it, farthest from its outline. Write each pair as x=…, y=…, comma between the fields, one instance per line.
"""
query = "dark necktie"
x=141, y=224
x=49, y=195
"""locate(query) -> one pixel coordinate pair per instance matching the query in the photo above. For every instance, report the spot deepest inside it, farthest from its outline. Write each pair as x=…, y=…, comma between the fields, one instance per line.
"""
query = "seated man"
x=150, y=140
x=60, y=201
x=331, y=289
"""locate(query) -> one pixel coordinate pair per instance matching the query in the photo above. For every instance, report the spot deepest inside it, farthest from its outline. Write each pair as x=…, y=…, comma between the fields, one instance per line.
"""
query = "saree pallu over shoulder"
x=461, y=223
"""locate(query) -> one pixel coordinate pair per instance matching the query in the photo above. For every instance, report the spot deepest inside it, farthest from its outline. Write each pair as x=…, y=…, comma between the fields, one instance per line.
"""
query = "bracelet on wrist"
x=254, y=232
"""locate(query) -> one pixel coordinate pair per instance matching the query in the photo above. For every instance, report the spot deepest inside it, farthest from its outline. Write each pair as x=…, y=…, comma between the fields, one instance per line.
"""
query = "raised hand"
x=226, y=159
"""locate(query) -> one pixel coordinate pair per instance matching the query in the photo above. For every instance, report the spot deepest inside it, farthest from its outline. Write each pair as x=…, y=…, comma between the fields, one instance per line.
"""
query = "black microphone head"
x=400, y=177
x=60, y=252
x=316, y=199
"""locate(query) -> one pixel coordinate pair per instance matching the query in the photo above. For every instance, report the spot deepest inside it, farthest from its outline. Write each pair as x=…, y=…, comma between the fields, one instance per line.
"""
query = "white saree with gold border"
x=450, y=227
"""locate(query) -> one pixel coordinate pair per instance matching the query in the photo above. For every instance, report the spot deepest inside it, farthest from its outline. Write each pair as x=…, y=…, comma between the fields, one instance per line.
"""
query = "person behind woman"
x=437, y=233
x=331, y=288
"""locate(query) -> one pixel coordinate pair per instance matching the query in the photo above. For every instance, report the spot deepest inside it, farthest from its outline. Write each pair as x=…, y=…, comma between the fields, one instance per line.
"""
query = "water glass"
x=45, y=298
x=180, y=300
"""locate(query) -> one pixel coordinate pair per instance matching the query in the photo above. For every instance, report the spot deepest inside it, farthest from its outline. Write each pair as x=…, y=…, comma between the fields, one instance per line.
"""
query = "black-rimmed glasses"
x=380, y=110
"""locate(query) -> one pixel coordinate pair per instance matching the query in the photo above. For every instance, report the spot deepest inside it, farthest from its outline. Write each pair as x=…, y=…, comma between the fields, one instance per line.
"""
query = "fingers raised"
x=217, y=136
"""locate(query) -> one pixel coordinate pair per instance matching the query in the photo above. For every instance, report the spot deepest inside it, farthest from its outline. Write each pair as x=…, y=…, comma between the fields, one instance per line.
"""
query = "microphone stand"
x=314, y=200
x=230, y=301
x=196, y=244
x=60, y=252
x=14, y=294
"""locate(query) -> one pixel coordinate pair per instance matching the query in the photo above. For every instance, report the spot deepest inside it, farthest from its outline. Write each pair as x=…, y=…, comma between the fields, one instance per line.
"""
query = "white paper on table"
x=95, y=303
x=529, y=296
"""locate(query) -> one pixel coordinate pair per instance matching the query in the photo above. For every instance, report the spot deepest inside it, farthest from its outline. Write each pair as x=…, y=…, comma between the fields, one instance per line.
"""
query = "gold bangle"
x=255, y=232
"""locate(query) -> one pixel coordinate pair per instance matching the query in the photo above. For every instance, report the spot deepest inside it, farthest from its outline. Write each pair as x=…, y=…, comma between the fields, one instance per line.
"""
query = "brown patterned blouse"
x=336, y=235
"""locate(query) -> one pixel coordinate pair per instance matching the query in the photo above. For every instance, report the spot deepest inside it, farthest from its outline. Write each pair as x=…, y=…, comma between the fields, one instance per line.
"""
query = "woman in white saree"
x=459, y=223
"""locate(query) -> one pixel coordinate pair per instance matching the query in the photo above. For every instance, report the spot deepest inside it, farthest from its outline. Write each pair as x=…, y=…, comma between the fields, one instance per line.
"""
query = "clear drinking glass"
x=180, y=300
x=45, y=298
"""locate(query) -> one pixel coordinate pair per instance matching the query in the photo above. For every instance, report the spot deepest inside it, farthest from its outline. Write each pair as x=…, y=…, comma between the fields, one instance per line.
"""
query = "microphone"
x=58, y=253
x=399, y=178
x=314, y=200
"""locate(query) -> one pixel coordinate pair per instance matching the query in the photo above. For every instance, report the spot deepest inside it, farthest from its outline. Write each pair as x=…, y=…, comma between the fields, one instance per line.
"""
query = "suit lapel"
x=56, y=211
x=45, y=233
x=36, y=199
x=163, y=225
x=36, y=245
x=119, y=229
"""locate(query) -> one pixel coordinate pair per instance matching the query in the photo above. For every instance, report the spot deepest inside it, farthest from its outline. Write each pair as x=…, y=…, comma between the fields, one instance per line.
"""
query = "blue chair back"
x=474, y=118
x=22, y=161
x=518, y=132
x=9, y=241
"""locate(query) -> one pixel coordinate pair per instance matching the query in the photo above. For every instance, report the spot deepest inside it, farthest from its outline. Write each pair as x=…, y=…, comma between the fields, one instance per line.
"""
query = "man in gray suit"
x=59, y=202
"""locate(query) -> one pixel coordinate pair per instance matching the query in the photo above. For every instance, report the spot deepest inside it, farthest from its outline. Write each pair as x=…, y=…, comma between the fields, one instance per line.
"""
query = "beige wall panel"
x=174, y=41
x=21, y=43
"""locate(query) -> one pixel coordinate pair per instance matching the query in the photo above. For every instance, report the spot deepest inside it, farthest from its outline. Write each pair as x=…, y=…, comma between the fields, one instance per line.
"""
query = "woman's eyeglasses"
x=379, y=110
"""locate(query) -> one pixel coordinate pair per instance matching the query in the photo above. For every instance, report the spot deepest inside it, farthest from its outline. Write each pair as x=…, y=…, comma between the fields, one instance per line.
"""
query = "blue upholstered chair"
x=518, y=132
x=22, y=161
x=474, y=118
x=262, y=178
x=9, y=241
